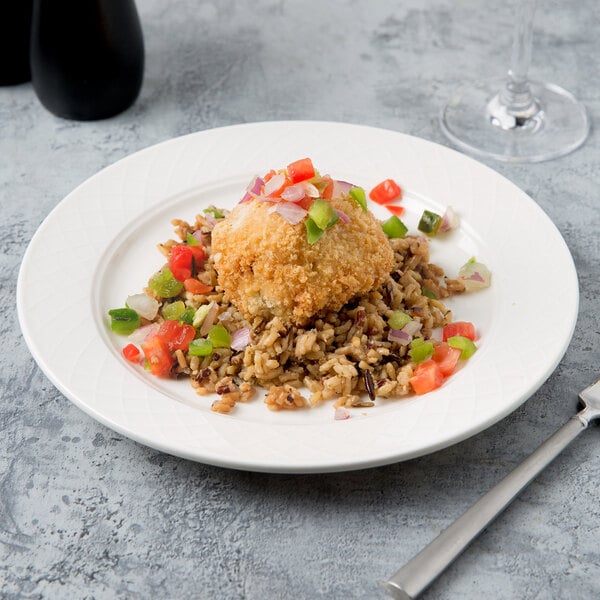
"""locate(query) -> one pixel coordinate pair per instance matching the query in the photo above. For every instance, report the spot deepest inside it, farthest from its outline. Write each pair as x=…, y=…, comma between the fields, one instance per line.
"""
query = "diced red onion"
x=341, y=414
x=141, y=334
x=240, y=339
x=450, y=220
x=144, y=305
x=412, y=327
x=274, y=184
x=253, y=189
x=310, y=189
x=341, y=188
x=198, y=234
x=292, y=213
x=474, y=276
x=344, y=218
x=211, y=221
x=209, y=319
x=399, y=336
x=293, y=193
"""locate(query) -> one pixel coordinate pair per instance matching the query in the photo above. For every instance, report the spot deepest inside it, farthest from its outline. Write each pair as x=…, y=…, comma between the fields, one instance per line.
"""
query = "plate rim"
x=253, y=465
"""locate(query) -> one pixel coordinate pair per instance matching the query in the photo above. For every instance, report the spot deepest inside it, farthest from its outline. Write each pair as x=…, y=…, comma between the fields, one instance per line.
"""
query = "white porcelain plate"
x=98, y=246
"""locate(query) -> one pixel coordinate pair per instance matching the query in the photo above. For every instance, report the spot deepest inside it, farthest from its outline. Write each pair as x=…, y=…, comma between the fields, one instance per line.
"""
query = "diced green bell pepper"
x=358, y=194
x=398, y=319
x=200, y=347
x=430, y=223
x=165, y=285
x=219, y=337
x=464, y=344
x=124, y=320
x=394, y=227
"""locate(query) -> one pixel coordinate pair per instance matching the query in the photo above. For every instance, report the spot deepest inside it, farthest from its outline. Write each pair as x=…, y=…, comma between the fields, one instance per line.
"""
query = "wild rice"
x=343, y=356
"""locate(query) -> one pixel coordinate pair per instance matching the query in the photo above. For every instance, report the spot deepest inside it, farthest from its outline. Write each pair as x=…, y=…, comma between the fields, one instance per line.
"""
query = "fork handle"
x=409, y=581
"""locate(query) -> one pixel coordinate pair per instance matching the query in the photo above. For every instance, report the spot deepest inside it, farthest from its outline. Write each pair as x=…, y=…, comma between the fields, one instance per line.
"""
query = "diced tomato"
x=427, y=377
x=306, y=202
x=301, y=170
x=132, y=353
x=177, y=335
x=199, y=255
x=446, y=357
x=184, y=260
x=156, y=351
x=196, y=287
x=180, y=261
x=386, y=191
x=328, y=189
x=464, y=328
x=395, y=209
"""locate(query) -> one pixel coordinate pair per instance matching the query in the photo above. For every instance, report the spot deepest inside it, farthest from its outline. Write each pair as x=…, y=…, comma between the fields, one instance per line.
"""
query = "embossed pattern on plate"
x=73, y=272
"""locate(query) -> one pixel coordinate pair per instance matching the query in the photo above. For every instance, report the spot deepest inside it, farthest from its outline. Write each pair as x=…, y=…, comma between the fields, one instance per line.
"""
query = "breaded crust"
x=267, y=267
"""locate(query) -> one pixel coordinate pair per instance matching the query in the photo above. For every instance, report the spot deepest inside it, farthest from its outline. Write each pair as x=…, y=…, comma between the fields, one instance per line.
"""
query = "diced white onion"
x=474, y=276
x=144, y=305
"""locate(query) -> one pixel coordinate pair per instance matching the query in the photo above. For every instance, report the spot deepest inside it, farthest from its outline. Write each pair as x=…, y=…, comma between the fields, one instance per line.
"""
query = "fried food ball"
x=266, y=266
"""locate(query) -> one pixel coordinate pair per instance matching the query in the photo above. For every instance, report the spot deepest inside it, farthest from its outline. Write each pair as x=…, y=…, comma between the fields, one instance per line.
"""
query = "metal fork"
x=409, y=581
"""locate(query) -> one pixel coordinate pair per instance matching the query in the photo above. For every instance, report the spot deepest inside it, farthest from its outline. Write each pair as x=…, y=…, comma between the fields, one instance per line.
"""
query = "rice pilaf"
x=343, y=356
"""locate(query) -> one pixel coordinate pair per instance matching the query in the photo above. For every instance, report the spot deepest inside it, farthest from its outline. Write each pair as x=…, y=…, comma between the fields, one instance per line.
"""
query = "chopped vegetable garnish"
x=158, y=356
x=173, y=311
x=421, y=351
x=240, y=339
x=385, y=192
x=358, y=194
x=301, y=170
x=200, y=347
x=180, y=262
x=193, y=286
x=395, y=209
x=464, y=344
x=474, y=275
x=427, y=376
x=132, y=353
x=394, y=227
x=220, y=337
x=428, y=293
x=322, y=214
x=177, y=335
x=216, y=213
x=200, y=314
x=446, y=357
x=464, y=328
x=188, y=315
x=450, y=220
x=398, y=319
x=165, y=285
x=144, y=305
x=430, y=223
x=191, y=240
x=313, y=233
x=124, y=320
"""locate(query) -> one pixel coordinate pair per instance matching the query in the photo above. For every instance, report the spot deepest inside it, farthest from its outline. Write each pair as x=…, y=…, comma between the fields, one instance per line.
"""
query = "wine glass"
x=512, y=118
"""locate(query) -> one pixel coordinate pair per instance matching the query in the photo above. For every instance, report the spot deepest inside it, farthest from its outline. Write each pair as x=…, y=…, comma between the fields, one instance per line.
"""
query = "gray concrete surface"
x=86, y=513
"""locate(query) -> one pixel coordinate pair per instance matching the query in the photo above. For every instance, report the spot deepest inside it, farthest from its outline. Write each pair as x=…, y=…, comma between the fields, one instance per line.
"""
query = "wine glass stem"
x=515, y=105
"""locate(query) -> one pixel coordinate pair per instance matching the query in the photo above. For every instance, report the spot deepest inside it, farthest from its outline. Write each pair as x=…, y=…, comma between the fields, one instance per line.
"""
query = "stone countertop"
x=87, y=513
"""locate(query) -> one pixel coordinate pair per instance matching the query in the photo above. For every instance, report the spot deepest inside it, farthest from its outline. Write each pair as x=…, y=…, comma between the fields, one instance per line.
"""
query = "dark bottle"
x=15, y=29
x=87, y=56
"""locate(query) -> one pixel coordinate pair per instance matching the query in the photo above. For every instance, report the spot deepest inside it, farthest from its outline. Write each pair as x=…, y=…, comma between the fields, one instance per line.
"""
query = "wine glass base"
x=471, y=122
